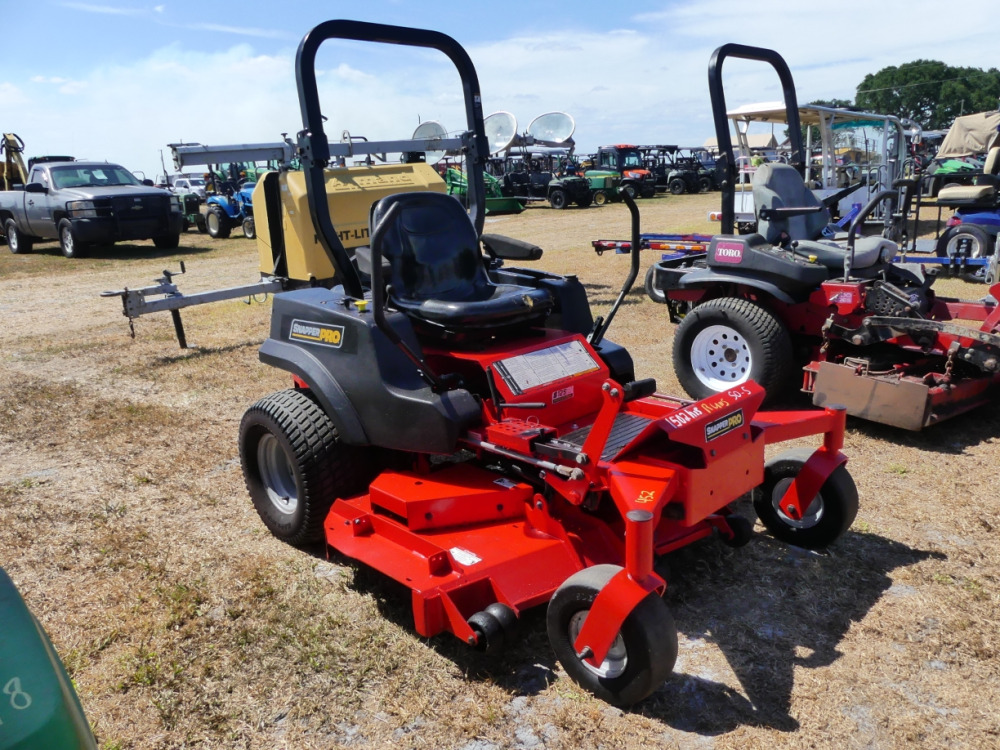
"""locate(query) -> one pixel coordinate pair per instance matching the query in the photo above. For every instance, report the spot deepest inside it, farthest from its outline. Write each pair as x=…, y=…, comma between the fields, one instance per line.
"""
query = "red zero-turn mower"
x=871, y=334
x=466, y=429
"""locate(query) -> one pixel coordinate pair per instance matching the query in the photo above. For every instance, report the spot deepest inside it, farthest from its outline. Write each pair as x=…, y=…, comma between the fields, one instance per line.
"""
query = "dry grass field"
x=183, y=623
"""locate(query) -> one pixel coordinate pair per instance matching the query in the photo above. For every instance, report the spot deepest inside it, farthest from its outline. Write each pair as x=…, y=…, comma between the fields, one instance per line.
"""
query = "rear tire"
x=677, y=186
x=295, y=466
x=725, y=342
x=967, y=240
x=640, y=659
x=71, y=246
x=217, y=223
x=830, y=514
x=600, y=197
x=16, y=241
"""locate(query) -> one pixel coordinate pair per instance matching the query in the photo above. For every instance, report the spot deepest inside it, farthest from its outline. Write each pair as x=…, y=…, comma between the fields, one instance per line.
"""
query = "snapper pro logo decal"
x=719, y=427
x=323, y=334
x=729, y=252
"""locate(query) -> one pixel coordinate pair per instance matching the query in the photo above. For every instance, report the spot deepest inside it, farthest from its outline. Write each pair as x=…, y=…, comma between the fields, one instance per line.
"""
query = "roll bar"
x=315, y=150
x=726, y=165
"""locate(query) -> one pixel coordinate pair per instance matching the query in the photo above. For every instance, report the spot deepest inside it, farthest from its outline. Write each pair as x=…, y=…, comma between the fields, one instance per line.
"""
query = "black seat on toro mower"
x=438, y=274
x=781, y=186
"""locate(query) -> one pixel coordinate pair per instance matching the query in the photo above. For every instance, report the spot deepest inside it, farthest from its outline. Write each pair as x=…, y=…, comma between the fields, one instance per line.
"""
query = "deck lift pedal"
x=466, y=428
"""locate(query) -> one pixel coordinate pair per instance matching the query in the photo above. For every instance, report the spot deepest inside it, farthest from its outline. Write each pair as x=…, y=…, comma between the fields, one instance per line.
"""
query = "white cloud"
x=644, y=84
x=104, y=9
x=242, y=30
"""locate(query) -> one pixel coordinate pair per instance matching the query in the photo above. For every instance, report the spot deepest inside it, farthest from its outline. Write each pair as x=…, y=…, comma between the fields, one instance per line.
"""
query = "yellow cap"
x=361, y=305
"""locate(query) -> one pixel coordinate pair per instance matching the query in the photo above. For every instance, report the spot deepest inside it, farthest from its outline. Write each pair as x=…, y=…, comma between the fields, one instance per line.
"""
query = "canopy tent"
x=971, y=134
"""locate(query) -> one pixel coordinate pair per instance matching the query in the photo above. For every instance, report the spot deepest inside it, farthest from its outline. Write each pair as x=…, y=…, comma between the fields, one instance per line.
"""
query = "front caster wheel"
x=641, y=657
x=828, y=516
x=655, y=294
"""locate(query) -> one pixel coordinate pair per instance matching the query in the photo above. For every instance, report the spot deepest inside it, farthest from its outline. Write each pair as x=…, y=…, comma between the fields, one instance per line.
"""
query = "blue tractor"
x=231, y=204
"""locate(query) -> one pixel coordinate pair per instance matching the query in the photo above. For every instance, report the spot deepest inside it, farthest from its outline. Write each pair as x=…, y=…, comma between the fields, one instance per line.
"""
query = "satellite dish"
x=429, y=130
x=552, y=128
x=501, y=128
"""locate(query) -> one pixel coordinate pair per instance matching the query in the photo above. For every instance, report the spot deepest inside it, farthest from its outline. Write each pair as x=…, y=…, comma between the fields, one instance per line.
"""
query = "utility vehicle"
x=627, y=161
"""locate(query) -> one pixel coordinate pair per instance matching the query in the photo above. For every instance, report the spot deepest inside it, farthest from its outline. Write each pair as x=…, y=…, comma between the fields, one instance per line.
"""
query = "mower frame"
x=519, y=468
x=848, y=325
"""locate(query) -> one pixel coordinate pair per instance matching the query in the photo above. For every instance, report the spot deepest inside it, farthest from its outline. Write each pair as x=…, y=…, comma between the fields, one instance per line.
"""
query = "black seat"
x=437, y=272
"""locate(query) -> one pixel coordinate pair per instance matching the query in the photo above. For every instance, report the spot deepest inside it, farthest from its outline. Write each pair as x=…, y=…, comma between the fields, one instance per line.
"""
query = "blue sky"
x=118, y=80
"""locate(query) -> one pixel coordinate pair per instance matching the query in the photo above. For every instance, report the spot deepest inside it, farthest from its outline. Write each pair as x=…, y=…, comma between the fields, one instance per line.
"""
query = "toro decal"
x=729, y=252
x=722, y=425
x=323, y=334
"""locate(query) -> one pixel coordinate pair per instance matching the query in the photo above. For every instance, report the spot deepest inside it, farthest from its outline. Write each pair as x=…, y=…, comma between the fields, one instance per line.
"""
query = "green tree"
x=929, y=92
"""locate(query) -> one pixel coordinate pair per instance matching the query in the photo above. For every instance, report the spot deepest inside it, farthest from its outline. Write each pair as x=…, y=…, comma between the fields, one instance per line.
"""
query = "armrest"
x=767, y=214
x=498, y=246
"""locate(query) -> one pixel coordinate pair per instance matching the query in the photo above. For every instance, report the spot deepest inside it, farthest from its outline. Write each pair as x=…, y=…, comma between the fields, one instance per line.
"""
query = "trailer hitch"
x=136, y=304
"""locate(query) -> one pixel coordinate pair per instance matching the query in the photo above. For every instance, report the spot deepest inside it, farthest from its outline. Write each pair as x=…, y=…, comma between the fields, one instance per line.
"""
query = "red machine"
x=871, y=333
x=466, y=429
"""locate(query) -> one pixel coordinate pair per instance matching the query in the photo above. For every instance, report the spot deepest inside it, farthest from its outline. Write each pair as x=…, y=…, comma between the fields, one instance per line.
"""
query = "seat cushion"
x=967, y=194
x=508, y=304
x=867, y=251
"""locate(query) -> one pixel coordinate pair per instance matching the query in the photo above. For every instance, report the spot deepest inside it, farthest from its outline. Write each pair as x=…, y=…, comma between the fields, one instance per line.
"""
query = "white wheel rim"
x=67, y=238
x=720, y=357
x=813, y=515
x=617, y=657
x=976, y=249
x=276, y=474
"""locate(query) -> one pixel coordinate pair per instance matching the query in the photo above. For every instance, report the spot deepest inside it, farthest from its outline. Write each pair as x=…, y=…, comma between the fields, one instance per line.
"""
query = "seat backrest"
x=432, y=248
x=781, y=186
x=992, y=163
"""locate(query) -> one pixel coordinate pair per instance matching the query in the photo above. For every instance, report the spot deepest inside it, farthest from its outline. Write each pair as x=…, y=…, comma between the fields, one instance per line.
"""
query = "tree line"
x=929, y=92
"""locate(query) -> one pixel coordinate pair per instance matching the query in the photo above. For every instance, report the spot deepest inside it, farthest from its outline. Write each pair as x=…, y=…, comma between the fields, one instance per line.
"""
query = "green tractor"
x=496, y=201
x=604, y=184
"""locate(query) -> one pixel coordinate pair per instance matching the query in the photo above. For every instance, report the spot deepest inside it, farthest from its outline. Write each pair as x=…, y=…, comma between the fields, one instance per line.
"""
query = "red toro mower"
x=465, y=427
x=872, y=334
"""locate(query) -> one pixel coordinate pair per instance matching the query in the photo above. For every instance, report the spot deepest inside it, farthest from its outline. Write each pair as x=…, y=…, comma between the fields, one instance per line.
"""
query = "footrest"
x=624, y=430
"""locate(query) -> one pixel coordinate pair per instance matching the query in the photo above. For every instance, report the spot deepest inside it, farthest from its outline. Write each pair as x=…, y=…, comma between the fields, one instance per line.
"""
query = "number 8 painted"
x=19, y=700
